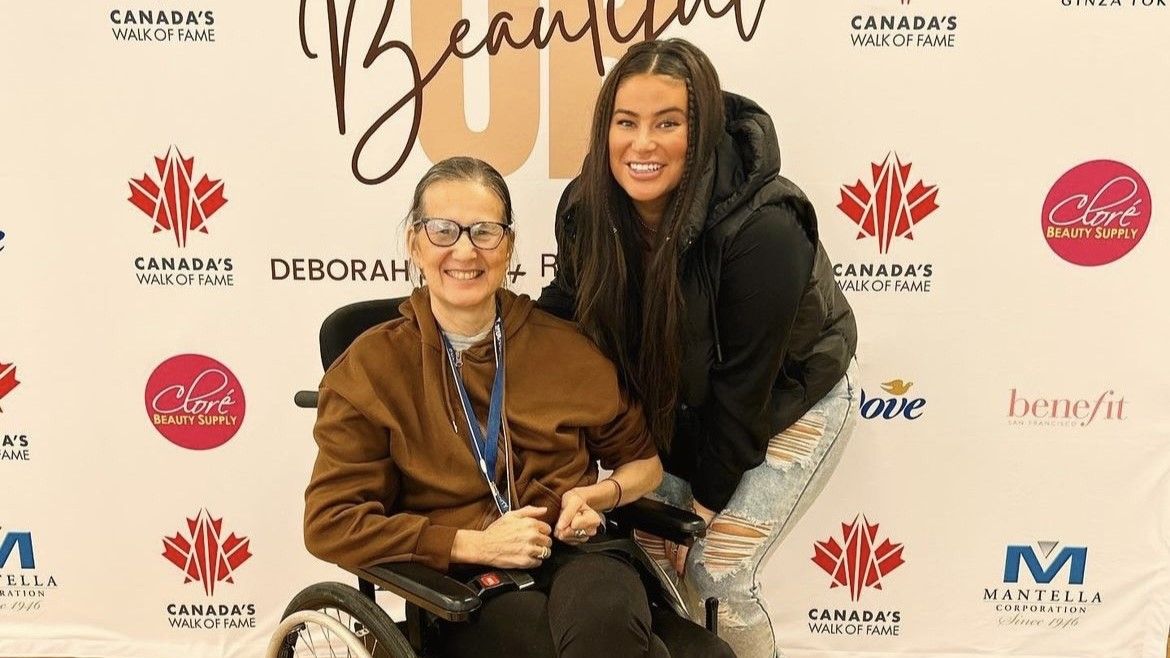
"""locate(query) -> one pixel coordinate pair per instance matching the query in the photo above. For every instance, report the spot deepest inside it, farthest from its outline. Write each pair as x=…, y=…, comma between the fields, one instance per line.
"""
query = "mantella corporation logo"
x=1096, y=212
x=1043, y=586
x=179, y=204
x=856, y=561
x=208, y=556
x=887, y=210
x=24, y=586
x=13, y=443
x=195, y=401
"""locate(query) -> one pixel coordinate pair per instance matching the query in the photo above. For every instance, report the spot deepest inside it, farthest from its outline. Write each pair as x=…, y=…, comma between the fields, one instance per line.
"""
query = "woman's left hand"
x=578, y=521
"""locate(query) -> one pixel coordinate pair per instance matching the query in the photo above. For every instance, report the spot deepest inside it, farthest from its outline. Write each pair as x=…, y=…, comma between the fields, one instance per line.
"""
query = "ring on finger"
x=580, y=533
x=545, y=553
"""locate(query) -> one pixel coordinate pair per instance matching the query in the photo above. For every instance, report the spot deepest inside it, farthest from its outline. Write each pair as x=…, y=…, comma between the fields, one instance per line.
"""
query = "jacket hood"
x=746, y=159
x=514, y=309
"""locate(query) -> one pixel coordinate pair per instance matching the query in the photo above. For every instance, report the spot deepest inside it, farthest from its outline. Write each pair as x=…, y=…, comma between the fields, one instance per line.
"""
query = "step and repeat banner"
x=189, y=188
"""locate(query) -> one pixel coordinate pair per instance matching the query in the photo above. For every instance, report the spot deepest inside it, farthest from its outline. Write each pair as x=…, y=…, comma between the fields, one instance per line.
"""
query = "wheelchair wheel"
x=335, y=620
x=312, y=633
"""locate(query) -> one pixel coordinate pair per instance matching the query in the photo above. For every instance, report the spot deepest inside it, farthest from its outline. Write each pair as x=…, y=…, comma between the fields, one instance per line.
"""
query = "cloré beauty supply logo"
x=195, y=401
x=1096, y=212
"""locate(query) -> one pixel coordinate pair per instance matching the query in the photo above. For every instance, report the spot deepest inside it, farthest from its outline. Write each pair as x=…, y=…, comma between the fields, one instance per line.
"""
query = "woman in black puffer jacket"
x=697, y=269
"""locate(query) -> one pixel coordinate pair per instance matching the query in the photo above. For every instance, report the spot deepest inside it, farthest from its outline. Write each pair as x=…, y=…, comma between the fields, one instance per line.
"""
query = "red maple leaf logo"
x=861, y=562
x=205, y=556
x=893, y=207
x=175, y=203
x=7, y=379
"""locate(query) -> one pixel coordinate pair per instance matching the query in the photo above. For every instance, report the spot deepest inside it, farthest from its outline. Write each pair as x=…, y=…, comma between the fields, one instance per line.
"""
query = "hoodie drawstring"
x=447, y=400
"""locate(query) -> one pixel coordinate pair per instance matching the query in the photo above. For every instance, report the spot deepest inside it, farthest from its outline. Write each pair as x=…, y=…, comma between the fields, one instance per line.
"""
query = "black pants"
x=582, y=605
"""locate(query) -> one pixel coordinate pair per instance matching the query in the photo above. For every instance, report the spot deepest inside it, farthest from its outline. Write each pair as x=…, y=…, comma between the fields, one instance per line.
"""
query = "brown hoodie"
x=394, y=479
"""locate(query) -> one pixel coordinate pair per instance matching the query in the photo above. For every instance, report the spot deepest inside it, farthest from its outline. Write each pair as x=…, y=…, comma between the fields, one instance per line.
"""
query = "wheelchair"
x=334, y=619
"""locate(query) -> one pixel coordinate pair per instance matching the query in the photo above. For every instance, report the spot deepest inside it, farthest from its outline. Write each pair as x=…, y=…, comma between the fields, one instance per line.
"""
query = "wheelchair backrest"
x=350, y=321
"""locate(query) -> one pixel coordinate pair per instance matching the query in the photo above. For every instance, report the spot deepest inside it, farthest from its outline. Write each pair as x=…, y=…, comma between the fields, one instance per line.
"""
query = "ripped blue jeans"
x=769, y=501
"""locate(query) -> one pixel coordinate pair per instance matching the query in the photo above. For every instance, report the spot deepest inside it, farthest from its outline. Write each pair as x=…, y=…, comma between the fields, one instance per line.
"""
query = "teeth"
x=463, y=275
x=644, y=167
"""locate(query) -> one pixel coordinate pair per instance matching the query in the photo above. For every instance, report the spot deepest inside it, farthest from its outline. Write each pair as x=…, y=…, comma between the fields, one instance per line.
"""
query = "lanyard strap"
x=485, y=444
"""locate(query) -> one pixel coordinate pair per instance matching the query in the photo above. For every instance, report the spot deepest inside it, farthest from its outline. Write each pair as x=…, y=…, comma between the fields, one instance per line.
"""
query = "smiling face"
x=648, y=140
x=462, y=278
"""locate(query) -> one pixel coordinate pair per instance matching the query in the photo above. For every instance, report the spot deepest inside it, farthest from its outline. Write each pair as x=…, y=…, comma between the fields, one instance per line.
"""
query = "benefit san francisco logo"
x=887, y=210
x=210, y=556
x=858, y=560
x=179, y=204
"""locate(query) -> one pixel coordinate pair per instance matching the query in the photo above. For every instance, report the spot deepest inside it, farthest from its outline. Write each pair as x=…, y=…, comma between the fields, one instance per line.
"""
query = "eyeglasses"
x=446, y=232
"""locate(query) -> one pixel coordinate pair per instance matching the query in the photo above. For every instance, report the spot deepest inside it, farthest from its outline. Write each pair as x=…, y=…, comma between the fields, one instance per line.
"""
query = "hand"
x=516, y=540
x=578, y=521
x=707, y=515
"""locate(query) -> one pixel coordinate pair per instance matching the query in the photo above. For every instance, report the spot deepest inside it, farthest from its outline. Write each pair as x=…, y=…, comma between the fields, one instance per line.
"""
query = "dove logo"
x=896, y=405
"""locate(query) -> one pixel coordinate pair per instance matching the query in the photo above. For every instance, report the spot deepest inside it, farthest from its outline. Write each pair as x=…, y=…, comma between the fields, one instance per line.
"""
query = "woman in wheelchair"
x=465, y=435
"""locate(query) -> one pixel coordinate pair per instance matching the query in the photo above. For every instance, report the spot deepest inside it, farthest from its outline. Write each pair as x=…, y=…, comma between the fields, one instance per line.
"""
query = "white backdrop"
x=1027, y=429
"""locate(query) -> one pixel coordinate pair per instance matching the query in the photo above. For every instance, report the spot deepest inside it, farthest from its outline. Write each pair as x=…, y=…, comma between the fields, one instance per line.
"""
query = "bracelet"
x=619, y=494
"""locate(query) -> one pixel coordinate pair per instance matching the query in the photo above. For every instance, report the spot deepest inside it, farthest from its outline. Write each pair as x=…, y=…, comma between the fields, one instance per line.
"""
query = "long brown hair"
x=632, y=308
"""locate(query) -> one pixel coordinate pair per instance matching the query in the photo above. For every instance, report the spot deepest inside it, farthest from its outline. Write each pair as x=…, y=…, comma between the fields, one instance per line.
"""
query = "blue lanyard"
x=485, y=445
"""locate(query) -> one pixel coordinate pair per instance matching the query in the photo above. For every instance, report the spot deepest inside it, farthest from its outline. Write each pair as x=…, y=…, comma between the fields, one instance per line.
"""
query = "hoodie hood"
x=514, y=309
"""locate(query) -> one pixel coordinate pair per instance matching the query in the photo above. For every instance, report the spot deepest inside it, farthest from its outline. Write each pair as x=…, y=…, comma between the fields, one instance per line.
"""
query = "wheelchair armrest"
x=430, y=590
x=305, y=399
x=671, y=523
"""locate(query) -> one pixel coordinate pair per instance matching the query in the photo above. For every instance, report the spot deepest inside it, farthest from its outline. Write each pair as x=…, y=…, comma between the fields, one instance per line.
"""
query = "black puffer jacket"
x=767, y=331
